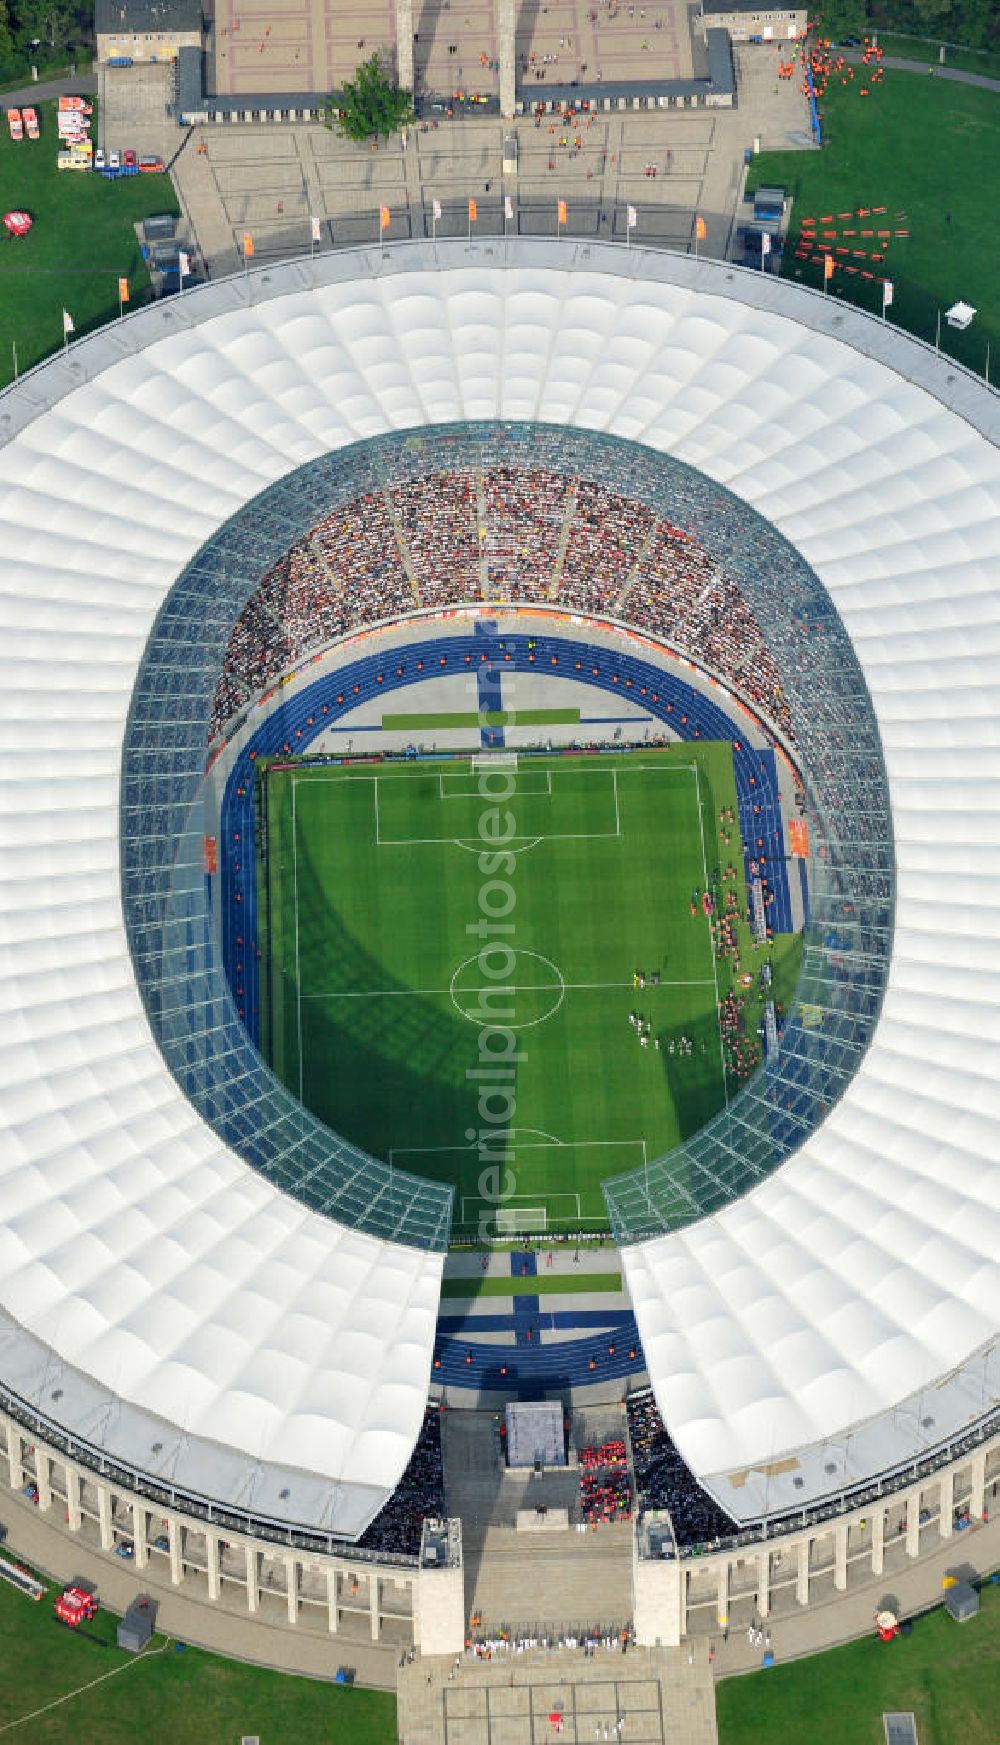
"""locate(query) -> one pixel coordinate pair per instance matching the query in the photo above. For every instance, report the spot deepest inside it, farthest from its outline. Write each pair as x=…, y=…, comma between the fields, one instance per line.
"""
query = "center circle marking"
x=556, y=987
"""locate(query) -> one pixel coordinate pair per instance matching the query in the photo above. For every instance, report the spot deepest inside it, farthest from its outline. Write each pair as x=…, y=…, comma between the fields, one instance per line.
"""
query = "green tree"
x=842, y=18
x=6, y=40
x=370, y=106
x=58, y=24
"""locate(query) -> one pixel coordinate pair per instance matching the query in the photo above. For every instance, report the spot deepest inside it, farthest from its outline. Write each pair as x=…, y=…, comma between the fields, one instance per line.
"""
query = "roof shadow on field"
x=388, y=1070
x=694, y=1080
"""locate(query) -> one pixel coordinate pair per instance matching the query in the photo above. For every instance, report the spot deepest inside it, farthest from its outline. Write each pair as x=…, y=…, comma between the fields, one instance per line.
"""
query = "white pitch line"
x=715, y=967
x=526, y=988
x=551, y=1145
x=298, y=978
x=618, y=816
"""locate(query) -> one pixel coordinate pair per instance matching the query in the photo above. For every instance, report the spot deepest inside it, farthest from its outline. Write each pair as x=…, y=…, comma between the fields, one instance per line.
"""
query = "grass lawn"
x=926, y=148
x=82, y=241
x=925, y=50
x=946, y=1674
x=373, y=988
x=544, y=1285
x=166, y=1698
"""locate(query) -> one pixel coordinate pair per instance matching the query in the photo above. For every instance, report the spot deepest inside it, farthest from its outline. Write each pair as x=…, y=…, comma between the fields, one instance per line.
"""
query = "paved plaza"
x=644, y=1697
x=267, y=47
x=272, y=179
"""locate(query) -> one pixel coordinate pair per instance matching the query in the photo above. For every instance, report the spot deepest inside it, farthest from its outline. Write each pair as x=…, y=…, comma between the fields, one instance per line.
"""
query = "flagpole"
x=434, y=225
x=13, y=347
x=987, y=362
x=937, y=336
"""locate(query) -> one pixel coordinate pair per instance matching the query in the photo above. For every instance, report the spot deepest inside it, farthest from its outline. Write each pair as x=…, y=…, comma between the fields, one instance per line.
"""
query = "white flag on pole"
x=633, y=217
x=68, y=326
x=183, y=264
x=765, y=242
x=886, y=293
x=436, y=210
x=508, y=206
x=315, y=229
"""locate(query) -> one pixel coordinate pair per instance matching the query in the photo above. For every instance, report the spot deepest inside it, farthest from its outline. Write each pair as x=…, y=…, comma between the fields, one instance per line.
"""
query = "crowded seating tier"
x=502, y=534
x=663, y=1481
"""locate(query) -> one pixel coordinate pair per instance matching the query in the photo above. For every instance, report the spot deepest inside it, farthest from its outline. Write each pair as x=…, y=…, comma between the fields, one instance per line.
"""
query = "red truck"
x=75, y=1606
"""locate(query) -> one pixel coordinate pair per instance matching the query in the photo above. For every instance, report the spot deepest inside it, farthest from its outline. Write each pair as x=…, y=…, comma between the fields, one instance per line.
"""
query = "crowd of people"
x=438, y=520
x=501, y=533
x=741, y=1047
x=420, y=1493
x=524, y=517
x=663, y=1481
x=605, y=1486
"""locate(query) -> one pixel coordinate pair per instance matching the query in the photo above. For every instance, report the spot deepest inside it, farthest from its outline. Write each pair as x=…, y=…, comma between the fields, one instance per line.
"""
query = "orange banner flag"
x=383, y=217
x=247, y=245
x=123, y=290
x=700, y=229
x=561, y=212
x=473, y=212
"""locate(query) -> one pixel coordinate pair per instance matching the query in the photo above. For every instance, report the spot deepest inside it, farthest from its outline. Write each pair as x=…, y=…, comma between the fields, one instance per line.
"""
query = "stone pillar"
x=946, y=1504
x=140, y=1535
x=878, y=1540
x=373, y=1603
x=506, y=52
x=659, y=1587
x=174, y=1544
x=763, y=1583
x=331, y=1599
x=840, y=1556
x=14, y=1464
x=404, y=44
x=722, y=1595
x=977, y=1498
x=212, y=1562
x=104, y=1517
x=913, y=1525
x=292, y=1588
x=252, y=1578
x=43, y=1479
x=802, y=1573
x=73, y=1514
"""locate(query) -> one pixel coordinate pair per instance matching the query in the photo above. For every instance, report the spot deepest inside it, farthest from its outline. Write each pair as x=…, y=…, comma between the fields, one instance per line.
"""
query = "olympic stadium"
x=243, y=536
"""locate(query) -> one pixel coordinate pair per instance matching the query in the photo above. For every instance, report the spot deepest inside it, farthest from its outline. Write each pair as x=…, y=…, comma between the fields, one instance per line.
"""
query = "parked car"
x=79, y=103
x=114, y=161
x=125, y=1549
x=151, y=165
x=14, y=123
x=129, y=158
x=72, y=160
x=162, y=1543
x=99, y=158
x=30, y=120
x=31, y=1492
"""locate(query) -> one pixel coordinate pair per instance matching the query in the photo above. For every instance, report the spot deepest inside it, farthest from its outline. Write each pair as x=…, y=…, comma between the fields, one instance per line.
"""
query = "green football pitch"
x=381, y=976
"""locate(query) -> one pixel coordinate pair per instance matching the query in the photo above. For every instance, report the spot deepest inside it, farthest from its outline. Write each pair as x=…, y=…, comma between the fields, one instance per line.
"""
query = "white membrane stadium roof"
x=139, y=1253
